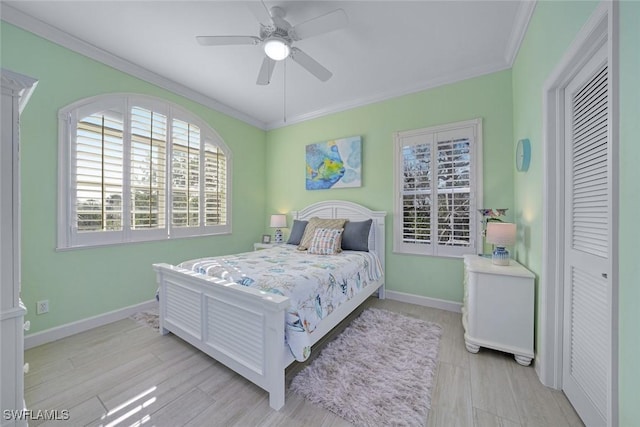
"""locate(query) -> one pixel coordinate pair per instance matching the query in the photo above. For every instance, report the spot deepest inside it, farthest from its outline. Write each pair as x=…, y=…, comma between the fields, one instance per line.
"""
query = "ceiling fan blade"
x=326, y=23
x=227, y=40
x=266, y=71
x=310, y=64
x=260, y=11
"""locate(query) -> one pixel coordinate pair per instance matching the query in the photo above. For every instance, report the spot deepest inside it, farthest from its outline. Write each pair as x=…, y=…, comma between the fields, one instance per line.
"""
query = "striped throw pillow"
x=326, y=241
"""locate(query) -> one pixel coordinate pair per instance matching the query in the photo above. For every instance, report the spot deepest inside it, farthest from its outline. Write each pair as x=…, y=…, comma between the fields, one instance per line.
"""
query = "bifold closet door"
x=587, y=250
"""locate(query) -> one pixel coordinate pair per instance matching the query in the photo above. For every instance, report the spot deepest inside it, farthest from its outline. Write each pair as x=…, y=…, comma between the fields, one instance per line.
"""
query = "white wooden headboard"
x=353, y=212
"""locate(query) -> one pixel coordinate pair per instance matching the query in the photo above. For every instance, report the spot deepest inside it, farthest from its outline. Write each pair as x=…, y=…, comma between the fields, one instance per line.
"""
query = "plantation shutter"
x=185, y=170
x=437, y=190
x=454, y=189
x=215, y=182
x=148, y=165
x=416, y=191
x=98, y=172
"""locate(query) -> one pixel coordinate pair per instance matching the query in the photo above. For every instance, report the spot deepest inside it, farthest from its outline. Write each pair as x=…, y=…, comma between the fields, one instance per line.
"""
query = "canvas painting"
x=334, y=164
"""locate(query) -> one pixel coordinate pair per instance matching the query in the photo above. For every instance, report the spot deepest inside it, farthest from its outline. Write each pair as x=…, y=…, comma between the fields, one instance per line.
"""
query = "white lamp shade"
x=501, y=233
x=278, y=221
x=276, y=49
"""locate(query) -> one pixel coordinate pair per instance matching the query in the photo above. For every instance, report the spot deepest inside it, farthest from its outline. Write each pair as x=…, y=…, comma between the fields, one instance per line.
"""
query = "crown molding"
x=55, y=35
x=519, y=29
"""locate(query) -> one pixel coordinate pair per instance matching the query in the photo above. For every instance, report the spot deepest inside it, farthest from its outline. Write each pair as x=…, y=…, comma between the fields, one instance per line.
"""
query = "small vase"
x=500, y=256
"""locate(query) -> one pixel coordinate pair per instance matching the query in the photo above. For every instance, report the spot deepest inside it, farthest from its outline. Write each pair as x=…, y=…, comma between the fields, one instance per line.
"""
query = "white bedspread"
x=315, y=284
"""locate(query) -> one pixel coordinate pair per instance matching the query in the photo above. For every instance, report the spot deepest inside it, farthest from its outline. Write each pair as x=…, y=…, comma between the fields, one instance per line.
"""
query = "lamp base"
x=500, y=256
x=278, y=236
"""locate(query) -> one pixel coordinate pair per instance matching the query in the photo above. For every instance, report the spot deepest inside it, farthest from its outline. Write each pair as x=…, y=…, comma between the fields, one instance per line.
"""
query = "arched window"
x=134, y=168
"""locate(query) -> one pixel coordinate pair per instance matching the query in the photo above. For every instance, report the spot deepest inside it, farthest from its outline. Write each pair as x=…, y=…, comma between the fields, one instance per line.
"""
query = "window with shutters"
x=135, y=168
x=438, y=189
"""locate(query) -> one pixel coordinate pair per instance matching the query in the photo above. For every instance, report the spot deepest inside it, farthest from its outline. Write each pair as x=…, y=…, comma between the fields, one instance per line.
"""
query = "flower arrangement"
x=493, y=213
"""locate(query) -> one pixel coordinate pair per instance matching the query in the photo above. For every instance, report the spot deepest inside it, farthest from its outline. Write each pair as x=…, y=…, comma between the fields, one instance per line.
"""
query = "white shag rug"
x=149, y=318
x=379, y=371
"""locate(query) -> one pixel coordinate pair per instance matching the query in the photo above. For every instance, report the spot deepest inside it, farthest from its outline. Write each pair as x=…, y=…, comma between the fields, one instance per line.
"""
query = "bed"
x=244, y=327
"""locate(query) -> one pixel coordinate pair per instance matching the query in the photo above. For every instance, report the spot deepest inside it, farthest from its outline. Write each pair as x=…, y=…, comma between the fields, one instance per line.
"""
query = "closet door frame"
x=601, y=29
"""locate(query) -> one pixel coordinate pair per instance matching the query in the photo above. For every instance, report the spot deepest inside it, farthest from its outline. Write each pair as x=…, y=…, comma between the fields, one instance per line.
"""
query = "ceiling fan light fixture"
x=277, y=49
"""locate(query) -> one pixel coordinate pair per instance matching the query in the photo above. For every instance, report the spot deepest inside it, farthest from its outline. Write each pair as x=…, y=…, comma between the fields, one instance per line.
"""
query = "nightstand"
x=498, y=306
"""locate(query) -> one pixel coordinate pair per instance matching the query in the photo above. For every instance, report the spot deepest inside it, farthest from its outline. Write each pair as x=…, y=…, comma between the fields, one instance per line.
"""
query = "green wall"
x=83, y=283
x=629, y=267
x=553, y=27
x=488, y=97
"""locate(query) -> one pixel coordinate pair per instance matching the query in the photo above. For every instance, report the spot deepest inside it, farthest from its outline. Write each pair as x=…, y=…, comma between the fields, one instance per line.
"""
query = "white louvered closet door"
x=587, y=297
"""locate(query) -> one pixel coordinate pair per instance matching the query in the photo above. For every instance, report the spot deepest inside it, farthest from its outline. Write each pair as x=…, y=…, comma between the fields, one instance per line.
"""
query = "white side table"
x=498, y=307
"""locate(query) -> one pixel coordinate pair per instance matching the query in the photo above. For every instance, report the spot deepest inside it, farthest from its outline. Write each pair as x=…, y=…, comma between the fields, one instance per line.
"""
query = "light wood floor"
x=127, y=374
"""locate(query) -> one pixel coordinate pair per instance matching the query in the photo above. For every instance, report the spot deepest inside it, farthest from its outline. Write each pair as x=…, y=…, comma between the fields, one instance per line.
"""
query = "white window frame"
x=68, y=237
x=428, y=135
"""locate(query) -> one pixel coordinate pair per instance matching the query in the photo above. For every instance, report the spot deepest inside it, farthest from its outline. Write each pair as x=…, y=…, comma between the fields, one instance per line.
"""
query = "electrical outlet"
x=42, y=307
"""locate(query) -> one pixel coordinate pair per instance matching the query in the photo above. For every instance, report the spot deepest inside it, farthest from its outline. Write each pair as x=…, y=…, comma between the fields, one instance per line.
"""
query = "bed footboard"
x=238, y=326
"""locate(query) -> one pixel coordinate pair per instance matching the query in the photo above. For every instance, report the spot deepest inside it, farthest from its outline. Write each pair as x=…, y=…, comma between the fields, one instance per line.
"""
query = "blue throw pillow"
x=356, y=235
x=297, y=231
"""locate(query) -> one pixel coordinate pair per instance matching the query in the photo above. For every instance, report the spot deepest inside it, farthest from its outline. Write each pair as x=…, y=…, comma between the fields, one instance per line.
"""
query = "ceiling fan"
x=277, y=37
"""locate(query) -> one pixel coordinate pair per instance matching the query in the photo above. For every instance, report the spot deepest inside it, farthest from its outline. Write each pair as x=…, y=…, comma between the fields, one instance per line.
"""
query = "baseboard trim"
x=424, y=301
x=63, y=331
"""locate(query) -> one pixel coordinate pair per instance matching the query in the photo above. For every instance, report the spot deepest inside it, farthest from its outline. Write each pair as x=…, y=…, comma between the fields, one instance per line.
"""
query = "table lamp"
x=278, y=221
x=501, y=234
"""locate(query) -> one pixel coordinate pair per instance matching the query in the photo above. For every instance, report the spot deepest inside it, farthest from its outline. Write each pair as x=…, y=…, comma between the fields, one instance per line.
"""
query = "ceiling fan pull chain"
x=284, y=90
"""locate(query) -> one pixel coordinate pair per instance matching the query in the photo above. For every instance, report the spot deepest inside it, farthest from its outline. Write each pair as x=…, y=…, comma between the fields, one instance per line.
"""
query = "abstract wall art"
x=334, y=164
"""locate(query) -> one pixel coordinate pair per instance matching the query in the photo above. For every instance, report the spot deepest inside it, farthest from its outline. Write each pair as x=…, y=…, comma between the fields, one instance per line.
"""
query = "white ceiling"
x=389, y=48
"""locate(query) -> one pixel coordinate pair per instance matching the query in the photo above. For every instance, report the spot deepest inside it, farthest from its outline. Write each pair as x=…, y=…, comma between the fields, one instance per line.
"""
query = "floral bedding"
x=315, y=284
